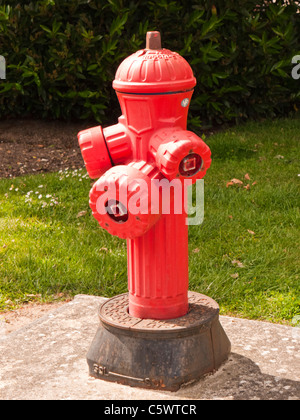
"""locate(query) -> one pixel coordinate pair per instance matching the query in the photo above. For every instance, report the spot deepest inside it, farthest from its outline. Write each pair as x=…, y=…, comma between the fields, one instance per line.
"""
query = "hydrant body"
x=158, y=335
x=150, y=148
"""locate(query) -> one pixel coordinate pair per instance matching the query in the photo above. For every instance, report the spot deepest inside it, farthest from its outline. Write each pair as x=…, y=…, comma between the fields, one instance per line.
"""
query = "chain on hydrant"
x=149, y=144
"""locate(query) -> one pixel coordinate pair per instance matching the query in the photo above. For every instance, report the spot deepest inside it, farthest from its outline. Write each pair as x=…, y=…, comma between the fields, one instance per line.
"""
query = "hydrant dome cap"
x=154, y=71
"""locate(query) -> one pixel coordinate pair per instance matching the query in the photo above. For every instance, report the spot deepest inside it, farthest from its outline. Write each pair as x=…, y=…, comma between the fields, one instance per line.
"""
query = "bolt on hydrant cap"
x=153, y=40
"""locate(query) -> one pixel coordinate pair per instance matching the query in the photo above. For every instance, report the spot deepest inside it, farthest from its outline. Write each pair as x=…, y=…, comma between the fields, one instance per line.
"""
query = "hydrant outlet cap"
x=154, y=70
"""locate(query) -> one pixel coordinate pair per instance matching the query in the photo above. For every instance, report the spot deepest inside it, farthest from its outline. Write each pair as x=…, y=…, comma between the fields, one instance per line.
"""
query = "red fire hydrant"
x=149, y=144
x=158, y=335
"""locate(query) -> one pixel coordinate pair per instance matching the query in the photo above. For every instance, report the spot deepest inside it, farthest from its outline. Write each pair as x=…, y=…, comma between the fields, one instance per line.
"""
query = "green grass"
x=245, y=254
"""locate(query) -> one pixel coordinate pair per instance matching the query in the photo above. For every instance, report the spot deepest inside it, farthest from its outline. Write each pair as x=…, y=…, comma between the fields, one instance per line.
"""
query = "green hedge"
x=62, y=55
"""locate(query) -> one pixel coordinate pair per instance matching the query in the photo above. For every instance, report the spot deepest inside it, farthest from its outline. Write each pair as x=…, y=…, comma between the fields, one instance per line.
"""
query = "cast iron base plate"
x=157, y=354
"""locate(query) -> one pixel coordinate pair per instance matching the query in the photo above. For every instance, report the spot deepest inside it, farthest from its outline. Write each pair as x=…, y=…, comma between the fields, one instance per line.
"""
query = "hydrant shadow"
x=241, y=379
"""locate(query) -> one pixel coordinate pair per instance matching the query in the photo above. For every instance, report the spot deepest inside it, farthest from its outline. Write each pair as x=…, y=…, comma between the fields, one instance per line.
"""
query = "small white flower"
x=40, y=196
x=40, y=186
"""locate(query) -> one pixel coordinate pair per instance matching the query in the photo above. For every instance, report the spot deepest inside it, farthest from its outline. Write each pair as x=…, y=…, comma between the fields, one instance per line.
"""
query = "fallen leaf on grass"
x=196, y=250
x=235, y=275
x=237, y=181
x=238, y=263
x=81, y=213
x=103, y=249
x=251, y=232
x=279, y=157
x=234, y=181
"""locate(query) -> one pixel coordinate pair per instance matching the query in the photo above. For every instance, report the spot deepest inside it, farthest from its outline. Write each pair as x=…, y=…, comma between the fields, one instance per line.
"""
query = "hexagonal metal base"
x=157, y=354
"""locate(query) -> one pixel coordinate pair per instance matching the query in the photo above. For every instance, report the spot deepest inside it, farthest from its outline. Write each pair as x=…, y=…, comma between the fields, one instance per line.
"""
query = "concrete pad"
x=46, y=360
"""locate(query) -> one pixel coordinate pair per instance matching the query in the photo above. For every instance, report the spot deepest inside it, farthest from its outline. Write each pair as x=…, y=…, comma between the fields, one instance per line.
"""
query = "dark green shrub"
x=62, y=55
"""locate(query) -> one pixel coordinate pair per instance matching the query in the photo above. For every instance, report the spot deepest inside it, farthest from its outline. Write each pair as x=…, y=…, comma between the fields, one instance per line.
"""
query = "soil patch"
x=37, y=146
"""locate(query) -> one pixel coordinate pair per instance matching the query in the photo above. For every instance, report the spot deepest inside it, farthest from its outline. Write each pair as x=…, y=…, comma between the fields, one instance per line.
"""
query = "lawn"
x=245, y=254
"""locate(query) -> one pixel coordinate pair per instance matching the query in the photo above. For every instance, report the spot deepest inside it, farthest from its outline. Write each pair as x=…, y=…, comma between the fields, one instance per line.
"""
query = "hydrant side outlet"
x=94, y=151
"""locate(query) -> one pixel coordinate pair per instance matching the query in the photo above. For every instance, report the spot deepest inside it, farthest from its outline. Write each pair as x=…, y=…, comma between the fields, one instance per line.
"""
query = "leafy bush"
x=62, y=55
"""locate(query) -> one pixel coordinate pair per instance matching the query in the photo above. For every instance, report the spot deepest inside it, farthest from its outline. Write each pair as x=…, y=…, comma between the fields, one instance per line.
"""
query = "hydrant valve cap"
x=94, y=151
x=114, y=214
x=181, y=154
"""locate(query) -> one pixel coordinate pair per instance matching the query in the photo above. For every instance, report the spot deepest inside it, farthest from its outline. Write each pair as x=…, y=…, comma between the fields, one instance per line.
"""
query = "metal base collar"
x=157, y=354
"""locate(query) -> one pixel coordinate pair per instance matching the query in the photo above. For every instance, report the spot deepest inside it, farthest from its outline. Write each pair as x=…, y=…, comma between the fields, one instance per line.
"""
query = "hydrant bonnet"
x=154, y=71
